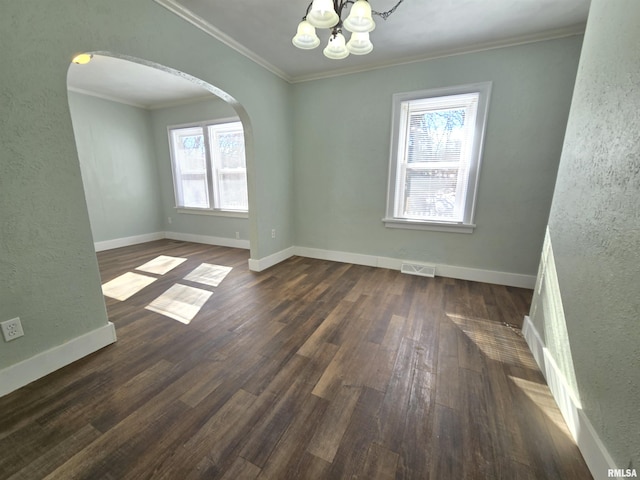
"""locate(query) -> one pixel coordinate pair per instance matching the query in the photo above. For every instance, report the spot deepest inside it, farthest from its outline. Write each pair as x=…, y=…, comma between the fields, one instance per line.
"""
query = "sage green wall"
x=119, y=169
x=594, y=229
x=48, y=269
x=209, y=225
x=341, y=151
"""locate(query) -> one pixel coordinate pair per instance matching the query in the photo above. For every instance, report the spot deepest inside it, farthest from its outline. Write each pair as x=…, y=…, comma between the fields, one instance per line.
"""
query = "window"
x=437, y=139
x=209, y=169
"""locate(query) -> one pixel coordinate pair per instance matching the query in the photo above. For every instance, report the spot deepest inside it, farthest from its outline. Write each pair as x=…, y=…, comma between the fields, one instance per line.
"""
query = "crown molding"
x=206, y=27
x=102, y=96
x=209, y=29
x=571, y=31
x=153, y=106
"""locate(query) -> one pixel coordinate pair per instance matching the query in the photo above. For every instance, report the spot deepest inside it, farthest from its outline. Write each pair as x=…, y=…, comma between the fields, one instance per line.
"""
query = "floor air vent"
x=417, y=269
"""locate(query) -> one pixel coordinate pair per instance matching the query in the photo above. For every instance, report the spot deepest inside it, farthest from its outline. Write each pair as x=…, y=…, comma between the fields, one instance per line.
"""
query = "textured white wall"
x=48, y=269
x=594, y=229
x=341, y=184
x=118, y=164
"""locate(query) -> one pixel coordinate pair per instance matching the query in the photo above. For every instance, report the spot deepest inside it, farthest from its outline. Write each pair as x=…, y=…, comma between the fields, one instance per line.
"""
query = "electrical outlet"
x=169, y=220
x=237, y=235
x=12, y=329
x=273, y=233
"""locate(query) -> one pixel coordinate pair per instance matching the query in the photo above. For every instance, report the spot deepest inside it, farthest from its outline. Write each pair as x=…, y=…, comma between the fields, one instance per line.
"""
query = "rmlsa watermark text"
x=622, y=473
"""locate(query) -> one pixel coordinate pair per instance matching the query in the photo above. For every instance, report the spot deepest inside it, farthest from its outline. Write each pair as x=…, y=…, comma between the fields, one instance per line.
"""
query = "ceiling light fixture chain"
x=387, y=14
x=328, y=14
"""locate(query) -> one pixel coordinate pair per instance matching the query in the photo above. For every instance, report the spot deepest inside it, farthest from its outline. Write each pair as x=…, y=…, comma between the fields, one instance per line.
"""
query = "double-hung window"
x=437, y=139
x=209, y=168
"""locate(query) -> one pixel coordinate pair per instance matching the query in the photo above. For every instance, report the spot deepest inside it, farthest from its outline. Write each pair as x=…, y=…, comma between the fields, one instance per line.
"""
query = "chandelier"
x=328, y=14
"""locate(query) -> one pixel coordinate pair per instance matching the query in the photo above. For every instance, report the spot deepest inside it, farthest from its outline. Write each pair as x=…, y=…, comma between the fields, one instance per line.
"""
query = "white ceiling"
x=262, y=30
x=138, y=85
x=418, y=29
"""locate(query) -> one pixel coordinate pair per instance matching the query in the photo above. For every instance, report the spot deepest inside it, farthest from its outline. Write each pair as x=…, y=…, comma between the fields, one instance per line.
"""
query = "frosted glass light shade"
x=306, y=37
x=322, y=14
x=360, y=19
x=336, y=48
x=359, y=43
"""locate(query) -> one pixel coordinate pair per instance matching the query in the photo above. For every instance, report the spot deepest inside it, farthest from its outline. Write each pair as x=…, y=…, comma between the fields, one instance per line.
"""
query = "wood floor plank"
x=387, y=354
x=242, y=470
x=266, y=434
x=308, y=370
x=415, y=450
x=447, y=383
x=287, y=455
x=328, y=436
x=448, y=455
x=380, y=463
x=362, y=430
x=397, y=396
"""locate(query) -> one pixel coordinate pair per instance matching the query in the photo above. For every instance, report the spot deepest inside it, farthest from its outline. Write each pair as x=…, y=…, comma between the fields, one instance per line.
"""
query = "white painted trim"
x=451, y=271
x=209, y=29
x=128, y=241
x=593, y=450
x=183, y=101
x=432, y=226
x=212, y=213
x=260, y=264
x=344, y=257
x=206, y=27
x=510, y=42
x=487, y=276
x=208, y=240
x=108, y=98
x=42, y=364
x=535, y=343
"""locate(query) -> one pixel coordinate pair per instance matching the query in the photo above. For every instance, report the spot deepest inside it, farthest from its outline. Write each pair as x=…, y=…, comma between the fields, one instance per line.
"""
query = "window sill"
x=427, y=225
x=213, y=213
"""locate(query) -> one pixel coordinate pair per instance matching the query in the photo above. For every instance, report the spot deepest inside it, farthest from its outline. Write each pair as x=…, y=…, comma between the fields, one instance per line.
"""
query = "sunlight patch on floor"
x=541, y=395
x=208, y=274
x=161, y=265
x=126, y=285
x=497, y=341
x=180, y=302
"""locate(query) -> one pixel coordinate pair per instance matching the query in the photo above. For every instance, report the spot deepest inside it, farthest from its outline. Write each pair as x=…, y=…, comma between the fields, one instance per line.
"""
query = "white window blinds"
x=435, y=156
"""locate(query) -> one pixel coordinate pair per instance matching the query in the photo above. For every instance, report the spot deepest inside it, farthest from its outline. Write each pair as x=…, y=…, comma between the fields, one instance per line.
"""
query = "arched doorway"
x=121, y=108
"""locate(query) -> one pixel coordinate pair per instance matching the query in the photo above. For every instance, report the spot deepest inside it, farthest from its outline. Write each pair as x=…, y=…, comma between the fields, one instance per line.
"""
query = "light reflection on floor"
x=541, y=396
x=495, y=340
x=180, y=302
x=208, y=274
x=161, y=265
x=126, y=285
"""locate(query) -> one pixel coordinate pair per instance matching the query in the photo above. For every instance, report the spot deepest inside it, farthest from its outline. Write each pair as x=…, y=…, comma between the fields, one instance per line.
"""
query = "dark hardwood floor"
x=308, y=370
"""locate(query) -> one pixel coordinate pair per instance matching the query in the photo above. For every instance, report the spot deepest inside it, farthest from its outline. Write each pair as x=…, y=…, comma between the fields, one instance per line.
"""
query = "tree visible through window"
x=437, y=139
x=209, y=167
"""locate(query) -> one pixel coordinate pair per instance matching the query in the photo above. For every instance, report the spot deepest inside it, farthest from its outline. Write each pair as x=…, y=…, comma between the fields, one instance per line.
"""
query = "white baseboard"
x=208, y=240
x=450, y=271
x=258, y=265
x=185, y=237
x=593, y=450
x=535, y=343
x=127, y=241
x=42, y=364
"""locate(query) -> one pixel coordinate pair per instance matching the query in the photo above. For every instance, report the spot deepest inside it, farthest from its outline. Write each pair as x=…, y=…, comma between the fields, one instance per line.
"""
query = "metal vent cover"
x=418, y=269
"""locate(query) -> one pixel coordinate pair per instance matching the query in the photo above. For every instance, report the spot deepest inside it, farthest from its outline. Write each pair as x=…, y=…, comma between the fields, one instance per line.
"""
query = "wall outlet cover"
x=12, y=329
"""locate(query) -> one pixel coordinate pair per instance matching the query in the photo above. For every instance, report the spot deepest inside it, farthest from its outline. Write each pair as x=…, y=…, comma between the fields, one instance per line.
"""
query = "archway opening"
x=122, y=109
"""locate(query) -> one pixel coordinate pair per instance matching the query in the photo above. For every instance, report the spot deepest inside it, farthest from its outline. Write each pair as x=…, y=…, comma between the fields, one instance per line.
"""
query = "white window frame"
x=394, y=218
x=212, y=171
